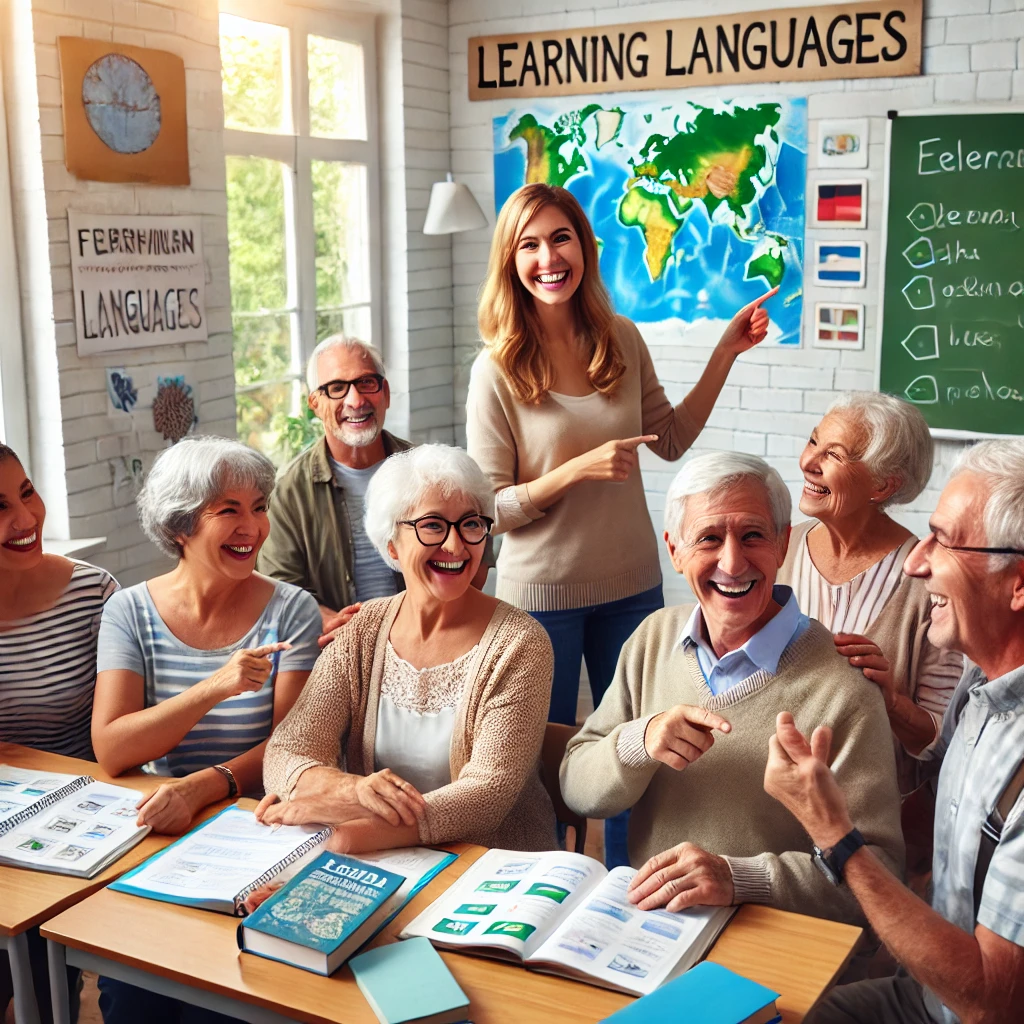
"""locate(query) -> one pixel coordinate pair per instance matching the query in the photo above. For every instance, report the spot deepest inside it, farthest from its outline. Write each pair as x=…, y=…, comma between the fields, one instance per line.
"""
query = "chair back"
x=556, y=738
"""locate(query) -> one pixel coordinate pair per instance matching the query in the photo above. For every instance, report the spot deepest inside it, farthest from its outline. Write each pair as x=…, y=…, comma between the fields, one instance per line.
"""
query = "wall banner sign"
x=137, y=281
x=849, y=40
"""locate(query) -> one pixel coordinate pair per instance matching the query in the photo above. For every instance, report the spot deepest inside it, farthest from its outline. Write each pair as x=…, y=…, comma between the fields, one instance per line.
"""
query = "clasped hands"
x=327, y=796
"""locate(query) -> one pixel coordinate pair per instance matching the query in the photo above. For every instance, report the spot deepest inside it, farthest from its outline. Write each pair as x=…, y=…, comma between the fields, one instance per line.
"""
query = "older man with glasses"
x=681, y=735
x=317, y=540
x=963, y=957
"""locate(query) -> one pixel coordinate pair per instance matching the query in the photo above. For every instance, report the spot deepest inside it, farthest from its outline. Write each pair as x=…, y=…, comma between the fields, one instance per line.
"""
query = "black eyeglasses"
x=432, y=531
x=369, y=384
x=979, y=551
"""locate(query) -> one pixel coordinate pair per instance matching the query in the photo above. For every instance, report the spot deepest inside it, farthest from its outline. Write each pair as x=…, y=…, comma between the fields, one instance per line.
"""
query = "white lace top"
x=415, y=715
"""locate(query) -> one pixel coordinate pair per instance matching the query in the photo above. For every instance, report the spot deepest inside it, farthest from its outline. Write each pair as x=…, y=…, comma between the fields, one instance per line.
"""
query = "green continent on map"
x=544, y=161
x=653, y=214
x=769, y=264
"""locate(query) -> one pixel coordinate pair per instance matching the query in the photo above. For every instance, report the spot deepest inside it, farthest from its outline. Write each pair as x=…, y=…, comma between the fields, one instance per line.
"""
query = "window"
x=302, y=189
x=13, y=387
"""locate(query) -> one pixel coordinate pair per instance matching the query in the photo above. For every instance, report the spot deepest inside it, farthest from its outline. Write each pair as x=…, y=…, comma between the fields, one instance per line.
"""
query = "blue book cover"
x=408, y=981
x=325, y=903
x=705, y=994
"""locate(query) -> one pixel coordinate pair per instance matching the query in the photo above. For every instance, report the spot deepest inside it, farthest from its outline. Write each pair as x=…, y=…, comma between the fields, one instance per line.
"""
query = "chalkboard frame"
x=940, y=433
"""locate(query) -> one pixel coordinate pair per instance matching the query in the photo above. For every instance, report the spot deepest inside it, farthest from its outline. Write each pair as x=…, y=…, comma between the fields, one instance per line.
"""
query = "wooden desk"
x=31, y=897
x=192, y=955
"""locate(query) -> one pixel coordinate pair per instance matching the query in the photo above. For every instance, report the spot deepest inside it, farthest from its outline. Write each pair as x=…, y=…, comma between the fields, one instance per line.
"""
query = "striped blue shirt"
x=134, y=637
x=983, y=743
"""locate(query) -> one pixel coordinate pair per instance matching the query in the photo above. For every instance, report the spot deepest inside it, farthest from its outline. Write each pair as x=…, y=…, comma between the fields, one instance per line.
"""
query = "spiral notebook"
x=65, y=824
x=219, y=864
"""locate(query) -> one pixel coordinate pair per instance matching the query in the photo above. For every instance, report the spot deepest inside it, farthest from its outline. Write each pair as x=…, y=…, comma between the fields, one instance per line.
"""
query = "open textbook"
x=67, y=824
x=218, y=865
x=565, y=914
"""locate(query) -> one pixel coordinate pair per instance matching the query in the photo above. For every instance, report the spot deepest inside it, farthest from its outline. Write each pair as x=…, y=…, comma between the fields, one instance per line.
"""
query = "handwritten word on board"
x=953, y=303
x=137, y=281
x=849, y=40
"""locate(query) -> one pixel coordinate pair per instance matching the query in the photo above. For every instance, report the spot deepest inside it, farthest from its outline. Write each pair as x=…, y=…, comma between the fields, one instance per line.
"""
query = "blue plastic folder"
x=408, y=981
x=705, y=994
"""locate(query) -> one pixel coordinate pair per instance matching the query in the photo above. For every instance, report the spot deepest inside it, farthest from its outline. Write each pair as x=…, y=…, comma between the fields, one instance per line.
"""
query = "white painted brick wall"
x=973, y=53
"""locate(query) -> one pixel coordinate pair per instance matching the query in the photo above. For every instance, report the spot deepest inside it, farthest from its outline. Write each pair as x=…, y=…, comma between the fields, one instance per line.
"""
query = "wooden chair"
x=556, y=737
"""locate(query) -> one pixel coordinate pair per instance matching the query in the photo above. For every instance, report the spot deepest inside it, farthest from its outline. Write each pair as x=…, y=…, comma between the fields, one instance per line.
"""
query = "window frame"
x=14, y=430
x=297, y=151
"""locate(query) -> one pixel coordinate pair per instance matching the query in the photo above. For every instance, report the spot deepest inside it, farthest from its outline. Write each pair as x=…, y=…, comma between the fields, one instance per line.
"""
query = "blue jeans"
x=595, y=634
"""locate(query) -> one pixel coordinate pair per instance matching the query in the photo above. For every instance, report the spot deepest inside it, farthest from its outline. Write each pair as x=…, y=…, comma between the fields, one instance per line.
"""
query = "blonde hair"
x=508, y=319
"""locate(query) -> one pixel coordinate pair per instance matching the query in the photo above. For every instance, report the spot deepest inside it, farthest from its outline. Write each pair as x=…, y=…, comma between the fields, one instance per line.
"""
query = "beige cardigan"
x=596, y=543
x=719, y=802
x=496, y=797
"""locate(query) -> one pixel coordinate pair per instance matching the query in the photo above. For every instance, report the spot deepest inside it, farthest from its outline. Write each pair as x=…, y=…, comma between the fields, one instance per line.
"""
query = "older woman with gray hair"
x=195, y=667
x=869, y=452
x=423, y=720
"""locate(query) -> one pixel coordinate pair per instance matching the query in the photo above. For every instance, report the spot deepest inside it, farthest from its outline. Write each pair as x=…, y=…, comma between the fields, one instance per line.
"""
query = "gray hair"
x=406, y=477
x=371, y=352
x=191, y=475
x=899, y=441
x=1001, y=463
x=714, y=473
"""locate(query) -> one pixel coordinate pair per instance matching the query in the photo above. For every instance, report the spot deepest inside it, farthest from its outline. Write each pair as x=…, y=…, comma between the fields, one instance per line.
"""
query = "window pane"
x=263, y=347
x=254, y=72
x=263, y=416
x=342, y=241
x=337, y=101
x=355, y=322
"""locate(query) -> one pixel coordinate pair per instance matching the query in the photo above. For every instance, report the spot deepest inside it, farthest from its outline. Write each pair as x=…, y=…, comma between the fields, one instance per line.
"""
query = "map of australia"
x=698, y=209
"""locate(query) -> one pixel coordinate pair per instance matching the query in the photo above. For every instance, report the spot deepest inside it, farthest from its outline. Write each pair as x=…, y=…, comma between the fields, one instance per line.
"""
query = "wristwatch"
x=831, y=862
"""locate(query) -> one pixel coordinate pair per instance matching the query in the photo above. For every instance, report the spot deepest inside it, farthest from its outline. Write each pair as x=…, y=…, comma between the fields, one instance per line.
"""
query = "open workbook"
x=67, y=824
x=566, y=914
x=219, y=864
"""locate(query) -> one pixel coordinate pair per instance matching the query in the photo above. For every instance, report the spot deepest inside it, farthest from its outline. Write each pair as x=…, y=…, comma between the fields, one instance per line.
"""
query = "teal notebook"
x=324, y=914
x=705, y=994
x=408, y=981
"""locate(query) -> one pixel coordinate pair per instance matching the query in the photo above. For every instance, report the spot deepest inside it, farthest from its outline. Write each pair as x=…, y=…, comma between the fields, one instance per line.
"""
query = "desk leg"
x=58, y=983
x=26, y=1011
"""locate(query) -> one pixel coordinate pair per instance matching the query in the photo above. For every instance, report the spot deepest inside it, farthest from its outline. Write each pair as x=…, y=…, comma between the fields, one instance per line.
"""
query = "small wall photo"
x=838, y=325
x=840, y=264
x=839, y=204
x=843, y=143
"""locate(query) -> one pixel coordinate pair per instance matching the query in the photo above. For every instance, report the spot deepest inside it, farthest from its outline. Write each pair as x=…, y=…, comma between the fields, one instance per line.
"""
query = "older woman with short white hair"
x=196, y=666
x=869, y=452
x=423, y=720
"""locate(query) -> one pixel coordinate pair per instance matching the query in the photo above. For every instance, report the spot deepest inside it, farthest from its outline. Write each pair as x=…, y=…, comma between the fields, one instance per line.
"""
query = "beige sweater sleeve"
x=492, y=445
x=507, y=733
x=313, y=733
x=673, y=424
x=865, y=768
x=596, y=780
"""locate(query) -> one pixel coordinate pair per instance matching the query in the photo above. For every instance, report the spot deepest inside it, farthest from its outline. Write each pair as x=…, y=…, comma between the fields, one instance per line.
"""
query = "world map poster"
x=697, y=209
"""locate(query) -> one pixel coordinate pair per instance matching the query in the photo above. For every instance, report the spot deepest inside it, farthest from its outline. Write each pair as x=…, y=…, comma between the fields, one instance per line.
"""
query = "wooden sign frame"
x=850, y=40
x=86, y=155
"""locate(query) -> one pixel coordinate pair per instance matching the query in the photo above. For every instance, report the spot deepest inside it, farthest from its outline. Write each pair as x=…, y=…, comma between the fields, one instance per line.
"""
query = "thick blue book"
x=323, y=915
x=705, y=994
x=406, y=982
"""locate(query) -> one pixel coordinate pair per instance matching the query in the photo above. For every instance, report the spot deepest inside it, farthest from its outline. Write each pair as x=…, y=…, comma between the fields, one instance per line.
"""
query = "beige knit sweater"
x=496, y=797
x=596, y=543
x=719, y=802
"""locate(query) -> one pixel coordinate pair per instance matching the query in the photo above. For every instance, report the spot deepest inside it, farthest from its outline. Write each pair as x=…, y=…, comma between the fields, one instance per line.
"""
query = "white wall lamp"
x=452, y=208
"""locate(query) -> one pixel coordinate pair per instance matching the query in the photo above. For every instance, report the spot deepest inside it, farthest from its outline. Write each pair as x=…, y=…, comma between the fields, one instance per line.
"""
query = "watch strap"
x=844, y=850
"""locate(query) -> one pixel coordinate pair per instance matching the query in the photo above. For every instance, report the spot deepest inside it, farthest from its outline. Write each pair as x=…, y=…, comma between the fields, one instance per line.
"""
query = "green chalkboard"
x=953, y=303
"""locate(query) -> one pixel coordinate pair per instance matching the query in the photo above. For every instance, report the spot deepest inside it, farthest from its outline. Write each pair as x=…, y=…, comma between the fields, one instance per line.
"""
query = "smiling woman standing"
x=559, y=401
x=195, y=667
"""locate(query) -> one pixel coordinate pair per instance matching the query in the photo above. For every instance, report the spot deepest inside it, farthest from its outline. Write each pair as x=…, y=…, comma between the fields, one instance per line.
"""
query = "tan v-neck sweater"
x=596, y=544
x=496, y=796
x=719, y=802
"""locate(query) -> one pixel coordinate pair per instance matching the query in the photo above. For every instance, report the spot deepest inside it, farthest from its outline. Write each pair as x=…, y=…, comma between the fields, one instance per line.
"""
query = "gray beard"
x=355, y=438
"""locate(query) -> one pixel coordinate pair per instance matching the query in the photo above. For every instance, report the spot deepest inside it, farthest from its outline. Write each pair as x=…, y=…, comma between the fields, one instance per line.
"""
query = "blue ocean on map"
x=722, y=255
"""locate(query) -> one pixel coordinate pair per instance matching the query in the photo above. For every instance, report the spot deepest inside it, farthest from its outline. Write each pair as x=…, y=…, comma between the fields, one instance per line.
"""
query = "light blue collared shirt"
x=762, y=651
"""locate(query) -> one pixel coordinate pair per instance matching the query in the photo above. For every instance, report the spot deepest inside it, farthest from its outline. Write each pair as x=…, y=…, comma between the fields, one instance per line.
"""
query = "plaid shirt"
x=983, y=740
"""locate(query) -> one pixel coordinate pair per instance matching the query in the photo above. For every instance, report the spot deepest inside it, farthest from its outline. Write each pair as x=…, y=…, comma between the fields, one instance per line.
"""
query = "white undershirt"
x=415, y=718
